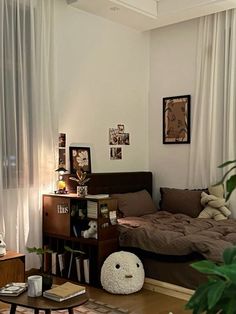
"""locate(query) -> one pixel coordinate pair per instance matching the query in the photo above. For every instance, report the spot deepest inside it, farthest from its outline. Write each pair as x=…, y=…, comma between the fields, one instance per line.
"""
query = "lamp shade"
x=61, y=170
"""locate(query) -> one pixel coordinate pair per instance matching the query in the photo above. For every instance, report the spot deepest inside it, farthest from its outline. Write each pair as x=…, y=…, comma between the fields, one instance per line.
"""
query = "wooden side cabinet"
x=65, y=217
x=12, y=268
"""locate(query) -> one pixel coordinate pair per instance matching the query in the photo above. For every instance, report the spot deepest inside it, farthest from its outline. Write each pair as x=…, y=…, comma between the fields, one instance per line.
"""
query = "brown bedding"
x=177, y=234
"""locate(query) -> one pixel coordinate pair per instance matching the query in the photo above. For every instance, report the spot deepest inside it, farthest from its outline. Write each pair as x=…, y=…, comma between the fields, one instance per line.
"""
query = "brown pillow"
x=181, y=201
x=135, y=204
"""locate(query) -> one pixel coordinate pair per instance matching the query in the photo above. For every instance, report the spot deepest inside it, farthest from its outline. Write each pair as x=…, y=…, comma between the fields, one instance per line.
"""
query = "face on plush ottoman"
x=122, y=273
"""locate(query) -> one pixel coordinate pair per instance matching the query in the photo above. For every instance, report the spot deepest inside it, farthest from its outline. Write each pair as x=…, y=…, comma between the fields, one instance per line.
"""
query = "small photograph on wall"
x=123, y=139
x=121, y=128
x=176, y=120
x=113, y=136
x=115, y=153
x=62, y=140
x=62, y=157
x=118, y=137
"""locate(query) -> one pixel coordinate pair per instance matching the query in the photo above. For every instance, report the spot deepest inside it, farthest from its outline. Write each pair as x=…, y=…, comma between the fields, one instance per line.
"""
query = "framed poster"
x=176, y=120
x=80, y=159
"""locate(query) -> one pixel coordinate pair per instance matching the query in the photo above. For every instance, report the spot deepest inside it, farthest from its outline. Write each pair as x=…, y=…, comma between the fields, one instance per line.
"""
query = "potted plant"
x=217, y=295
x=47, y=277
x=82, y=189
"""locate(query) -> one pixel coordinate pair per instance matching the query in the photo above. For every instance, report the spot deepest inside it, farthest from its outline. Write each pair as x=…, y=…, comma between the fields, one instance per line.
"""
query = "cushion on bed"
x=135, y=203
x=181, y=201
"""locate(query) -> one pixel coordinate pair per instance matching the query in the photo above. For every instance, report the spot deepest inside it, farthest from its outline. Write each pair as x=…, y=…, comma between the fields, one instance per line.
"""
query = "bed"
x=167, y=240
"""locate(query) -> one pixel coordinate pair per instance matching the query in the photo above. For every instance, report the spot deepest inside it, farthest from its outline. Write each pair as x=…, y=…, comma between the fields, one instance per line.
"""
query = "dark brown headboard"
x=115, y=182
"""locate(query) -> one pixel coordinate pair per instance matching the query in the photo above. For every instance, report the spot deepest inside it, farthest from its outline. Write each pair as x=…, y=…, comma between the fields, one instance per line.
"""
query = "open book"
x=63, y=292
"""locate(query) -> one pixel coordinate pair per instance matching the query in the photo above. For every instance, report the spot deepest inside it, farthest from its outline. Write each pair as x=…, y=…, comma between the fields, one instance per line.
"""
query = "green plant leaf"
x=224, y=176
x=69, y=249
x=229, y=255
x=229, y=271
x=227, y=163
x=38, y=250
x=198, y=301
x=230, y=185
x=230, y=291
x=206, y=267
x=229, y=305
x=215, y=293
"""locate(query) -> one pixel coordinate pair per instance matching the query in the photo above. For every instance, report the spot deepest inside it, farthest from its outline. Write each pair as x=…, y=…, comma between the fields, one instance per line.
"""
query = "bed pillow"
x=135, y=203
x=181, y=201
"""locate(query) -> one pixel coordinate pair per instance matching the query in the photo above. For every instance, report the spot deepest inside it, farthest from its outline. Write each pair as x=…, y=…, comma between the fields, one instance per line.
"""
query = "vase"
x=47, y=281
x=82, y=190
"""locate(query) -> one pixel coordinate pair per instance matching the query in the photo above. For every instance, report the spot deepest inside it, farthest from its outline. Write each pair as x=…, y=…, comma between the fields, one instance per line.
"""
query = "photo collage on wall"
x=62, y=150
x=117, y=136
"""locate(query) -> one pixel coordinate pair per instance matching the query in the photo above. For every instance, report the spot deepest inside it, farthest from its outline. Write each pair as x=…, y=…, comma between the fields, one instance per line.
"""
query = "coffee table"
x=41, y=303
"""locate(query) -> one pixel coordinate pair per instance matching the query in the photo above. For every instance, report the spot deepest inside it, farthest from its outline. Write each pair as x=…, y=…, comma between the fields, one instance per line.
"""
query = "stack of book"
x=64, y=292
x=92, y=210
x=13, y=289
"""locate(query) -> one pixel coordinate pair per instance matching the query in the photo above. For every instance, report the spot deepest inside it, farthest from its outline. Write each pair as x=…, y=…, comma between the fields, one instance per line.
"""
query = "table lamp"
x=61, y=184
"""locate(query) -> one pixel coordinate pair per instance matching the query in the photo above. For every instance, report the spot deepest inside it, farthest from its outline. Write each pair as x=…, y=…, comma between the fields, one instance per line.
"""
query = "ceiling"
x=144, y=15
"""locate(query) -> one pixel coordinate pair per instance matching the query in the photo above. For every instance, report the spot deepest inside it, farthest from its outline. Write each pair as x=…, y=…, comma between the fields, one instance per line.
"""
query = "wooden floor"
x=142, y=302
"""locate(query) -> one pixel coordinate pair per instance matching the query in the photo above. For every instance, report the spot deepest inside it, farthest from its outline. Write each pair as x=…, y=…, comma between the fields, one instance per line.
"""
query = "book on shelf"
x=92, y=210
x=91, y=204
x=54, y=263
x=92, y=215
x=70, y=264
x=77, y=230
x=113, y=217
x=86, y=270
x=13, y=289
x=64, y=292
x=61, y=262
x=97, y=196
x=79, y=268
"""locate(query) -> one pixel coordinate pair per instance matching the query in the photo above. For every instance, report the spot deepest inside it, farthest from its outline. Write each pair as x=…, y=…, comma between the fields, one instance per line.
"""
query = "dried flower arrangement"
x=81, y=178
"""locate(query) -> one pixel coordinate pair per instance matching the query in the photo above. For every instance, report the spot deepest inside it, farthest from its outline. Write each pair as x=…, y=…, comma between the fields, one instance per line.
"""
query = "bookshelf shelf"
x=65, y=217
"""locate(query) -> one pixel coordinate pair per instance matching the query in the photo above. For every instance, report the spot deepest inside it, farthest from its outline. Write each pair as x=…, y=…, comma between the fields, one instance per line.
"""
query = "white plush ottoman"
x=122, y=273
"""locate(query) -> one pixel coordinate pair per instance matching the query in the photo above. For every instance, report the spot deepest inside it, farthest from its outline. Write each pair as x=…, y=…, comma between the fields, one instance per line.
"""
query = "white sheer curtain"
x=28, y=128
x=214, y=110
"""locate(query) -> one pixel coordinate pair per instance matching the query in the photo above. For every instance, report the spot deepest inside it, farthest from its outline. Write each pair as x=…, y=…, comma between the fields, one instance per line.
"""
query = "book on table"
x=13, y=289
x=64, y=292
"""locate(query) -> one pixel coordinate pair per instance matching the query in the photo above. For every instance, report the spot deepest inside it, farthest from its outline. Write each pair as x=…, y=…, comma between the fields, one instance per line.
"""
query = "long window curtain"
x=28, y=128
x=214, y=111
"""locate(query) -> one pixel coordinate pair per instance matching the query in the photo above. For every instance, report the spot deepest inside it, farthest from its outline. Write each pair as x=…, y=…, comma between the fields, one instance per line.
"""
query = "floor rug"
x=90, y=307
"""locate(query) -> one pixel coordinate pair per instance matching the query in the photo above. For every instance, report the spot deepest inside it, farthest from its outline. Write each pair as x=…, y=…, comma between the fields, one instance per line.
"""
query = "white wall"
x=172, y=73
x=102, y=80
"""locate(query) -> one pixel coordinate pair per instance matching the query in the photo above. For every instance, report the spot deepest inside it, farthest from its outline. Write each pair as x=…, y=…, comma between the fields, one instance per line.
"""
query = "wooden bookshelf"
x=65, y=217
